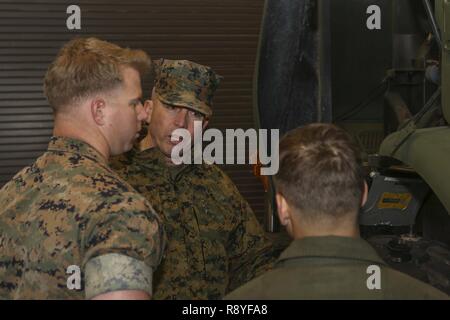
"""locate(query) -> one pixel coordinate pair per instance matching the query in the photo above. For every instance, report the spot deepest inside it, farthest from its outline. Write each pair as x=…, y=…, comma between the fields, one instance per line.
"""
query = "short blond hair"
x=85, y=66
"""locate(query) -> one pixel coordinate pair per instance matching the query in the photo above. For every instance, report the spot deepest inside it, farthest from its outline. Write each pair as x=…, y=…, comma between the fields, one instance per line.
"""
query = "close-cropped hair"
x=86, y=66
x=320, y=172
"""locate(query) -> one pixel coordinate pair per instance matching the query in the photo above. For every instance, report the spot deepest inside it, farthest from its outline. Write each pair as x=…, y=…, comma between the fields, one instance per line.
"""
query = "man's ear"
x=364, y=194
x=98, y=111
x=283, y=209
x=148, y=107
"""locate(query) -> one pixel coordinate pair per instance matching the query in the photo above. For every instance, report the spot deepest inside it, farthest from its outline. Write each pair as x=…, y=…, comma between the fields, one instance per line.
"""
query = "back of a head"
x=85, y=66
x=320, y=173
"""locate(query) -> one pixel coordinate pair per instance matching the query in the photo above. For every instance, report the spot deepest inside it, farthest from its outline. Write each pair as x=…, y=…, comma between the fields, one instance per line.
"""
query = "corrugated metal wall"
x=221, y=34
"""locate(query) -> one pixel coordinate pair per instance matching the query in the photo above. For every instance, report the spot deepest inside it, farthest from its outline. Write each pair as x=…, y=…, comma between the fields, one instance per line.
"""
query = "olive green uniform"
x=333, y=268
x=215, y=243
x=70, y=210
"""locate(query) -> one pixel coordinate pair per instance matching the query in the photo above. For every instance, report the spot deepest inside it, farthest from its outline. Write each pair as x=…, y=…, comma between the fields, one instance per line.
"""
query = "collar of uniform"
x=71, y=145
x=155, y=156
x=149, y=156
x=331, y=247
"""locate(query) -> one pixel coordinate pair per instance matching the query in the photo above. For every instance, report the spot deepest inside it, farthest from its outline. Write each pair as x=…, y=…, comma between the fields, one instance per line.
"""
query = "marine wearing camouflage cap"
x=186, y=84
x=215, y=242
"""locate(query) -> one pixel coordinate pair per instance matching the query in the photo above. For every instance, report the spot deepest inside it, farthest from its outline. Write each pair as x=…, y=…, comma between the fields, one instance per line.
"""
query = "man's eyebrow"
x=135, y=100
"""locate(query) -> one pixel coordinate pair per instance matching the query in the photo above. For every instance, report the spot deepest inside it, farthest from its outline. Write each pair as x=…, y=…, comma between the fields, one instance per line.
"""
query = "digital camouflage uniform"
x=332, y=267
x=215, y=242
x=69, y=208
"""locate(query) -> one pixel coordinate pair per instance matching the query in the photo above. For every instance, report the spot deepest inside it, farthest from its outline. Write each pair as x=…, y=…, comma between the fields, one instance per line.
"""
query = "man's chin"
x=167, y=152
x=129, y=146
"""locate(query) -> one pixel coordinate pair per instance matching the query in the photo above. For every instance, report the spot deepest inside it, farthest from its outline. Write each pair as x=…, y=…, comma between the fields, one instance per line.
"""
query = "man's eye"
x=136, y=103
x=170, y=107
x=197, y=115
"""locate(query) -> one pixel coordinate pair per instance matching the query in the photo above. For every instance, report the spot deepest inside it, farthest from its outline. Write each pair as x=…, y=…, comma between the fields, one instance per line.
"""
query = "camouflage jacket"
x=332, y=267
x=215, y=243
x=70, y=209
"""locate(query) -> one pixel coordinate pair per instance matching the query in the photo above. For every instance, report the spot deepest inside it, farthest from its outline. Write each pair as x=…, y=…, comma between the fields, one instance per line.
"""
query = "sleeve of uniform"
x=123, y=243
x=251, y=252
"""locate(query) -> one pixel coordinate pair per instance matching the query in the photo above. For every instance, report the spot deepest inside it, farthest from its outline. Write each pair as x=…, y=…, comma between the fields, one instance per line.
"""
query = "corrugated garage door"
x=221, y=34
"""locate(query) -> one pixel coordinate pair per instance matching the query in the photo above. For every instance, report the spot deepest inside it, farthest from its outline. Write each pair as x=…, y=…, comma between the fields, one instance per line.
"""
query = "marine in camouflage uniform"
x=69, y=214
x=67, y=209
x=215, y=242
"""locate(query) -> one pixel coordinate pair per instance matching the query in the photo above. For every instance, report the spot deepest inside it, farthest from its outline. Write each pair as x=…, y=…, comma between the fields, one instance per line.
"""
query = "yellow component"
x=394, y=200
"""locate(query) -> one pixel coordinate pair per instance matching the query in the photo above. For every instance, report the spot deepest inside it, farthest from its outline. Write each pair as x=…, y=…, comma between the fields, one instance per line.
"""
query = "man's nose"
x=180, y=118
x=142, y=114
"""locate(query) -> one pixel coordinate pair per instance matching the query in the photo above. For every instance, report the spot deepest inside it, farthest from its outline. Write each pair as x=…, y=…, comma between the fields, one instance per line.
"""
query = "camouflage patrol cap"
x=186, y=84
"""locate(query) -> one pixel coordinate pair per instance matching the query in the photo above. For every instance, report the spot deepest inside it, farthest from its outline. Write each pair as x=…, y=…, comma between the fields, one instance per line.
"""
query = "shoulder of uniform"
x=255, y=287
x=404, y=284
x=109, y=188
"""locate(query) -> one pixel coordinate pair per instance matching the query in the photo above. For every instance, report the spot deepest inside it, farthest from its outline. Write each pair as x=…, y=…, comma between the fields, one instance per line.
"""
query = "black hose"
x=374, y=93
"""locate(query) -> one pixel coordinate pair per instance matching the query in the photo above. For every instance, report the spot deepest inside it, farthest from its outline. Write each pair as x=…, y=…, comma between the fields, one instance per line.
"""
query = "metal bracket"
x=446, y=25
